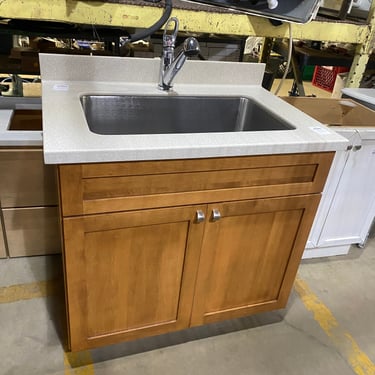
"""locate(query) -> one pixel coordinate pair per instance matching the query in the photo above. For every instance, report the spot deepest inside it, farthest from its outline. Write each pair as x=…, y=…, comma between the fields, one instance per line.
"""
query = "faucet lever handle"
x=169, y=39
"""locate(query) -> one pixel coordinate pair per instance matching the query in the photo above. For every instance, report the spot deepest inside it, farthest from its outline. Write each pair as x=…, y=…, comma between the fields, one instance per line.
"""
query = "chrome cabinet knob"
x=216, y=215
x=199, y=216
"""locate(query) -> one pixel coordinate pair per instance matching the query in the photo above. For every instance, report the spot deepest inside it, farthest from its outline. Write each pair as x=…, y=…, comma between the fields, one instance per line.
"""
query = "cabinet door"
x=350, y=213
x=333, y=179
x=130, y=274
x=250, y=256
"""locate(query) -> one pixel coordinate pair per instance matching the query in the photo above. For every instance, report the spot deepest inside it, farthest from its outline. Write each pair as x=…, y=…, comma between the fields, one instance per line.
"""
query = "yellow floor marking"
x=343, y=341
x=21, y=292
x=79, y=363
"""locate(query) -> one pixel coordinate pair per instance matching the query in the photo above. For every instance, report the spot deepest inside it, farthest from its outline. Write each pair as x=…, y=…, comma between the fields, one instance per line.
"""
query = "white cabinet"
x=347, y=208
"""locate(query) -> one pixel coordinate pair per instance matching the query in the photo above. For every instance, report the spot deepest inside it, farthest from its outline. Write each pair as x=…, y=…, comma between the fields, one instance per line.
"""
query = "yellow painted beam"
x=363, y=52
x=133, y=16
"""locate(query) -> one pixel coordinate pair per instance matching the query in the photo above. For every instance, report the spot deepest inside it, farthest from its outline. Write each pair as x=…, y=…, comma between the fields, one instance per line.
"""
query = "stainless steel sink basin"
x=124, y=114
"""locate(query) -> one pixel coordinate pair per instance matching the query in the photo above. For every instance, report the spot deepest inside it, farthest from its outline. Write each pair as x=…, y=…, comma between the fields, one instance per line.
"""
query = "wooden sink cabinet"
x=157, y=246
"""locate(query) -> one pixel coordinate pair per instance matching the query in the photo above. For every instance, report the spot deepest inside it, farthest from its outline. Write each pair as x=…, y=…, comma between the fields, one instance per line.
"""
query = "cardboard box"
x=334, y=112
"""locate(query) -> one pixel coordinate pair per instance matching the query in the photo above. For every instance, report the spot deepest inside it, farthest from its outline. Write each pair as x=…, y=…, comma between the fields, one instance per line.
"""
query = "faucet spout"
x=170, y=66
x=190, y=48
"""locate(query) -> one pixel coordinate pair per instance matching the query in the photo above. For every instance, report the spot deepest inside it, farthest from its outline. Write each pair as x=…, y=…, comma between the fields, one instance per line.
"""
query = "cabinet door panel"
x=250, y=256
x=146, y=269
x=349, y=217
x=132, y=278
x=333, y=179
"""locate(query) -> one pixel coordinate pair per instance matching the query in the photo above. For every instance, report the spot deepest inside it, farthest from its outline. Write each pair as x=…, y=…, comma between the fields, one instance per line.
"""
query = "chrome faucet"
x=170, y=66
x=15, y=88
x=17, y=85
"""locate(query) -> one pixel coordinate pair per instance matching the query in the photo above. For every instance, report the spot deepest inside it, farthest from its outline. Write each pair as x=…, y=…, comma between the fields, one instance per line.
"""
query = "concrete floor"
x=327, y=328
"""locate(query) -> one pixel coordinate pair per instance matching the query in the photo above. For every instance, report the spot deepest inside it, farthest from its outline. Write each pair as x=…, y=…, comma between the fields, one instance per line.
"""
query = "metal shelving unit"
x=363, y=51
x=123, y=13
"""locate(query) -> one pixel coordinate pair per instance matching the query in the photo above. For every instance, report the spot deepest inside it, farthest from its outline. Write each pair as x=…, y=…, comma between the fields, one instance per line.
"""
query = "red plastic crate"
x=325, y=76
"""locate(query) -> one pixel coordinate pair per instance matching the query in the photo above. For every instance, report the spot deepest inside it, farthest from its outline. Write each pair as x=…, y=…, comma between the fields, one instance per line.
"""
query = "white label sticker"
x=319, y=130
x=61, y=87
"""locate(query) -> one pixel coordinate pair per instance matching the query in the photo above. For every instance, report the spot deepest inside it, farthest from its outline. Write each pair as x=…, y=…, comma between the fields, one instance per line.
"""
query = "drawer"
x=26, y=119
x=27, y=180
x=32, y=231
x=109, y=187
x=3, y=253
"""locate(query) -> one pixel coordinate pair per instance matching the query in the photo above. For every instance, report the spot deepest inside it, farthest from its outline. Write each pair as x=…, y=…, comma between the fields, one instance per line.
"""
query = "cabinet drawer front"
x=111, y=187
x=32, y=231
x=106, y=187
x=26, y=180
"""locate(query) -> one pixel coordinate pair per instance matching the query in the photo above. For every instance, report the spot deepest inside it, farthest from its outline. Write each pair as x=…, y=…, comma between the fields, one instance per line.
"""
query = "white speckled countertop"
x=67, y=138
x=362, y=95
x=16, y=137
